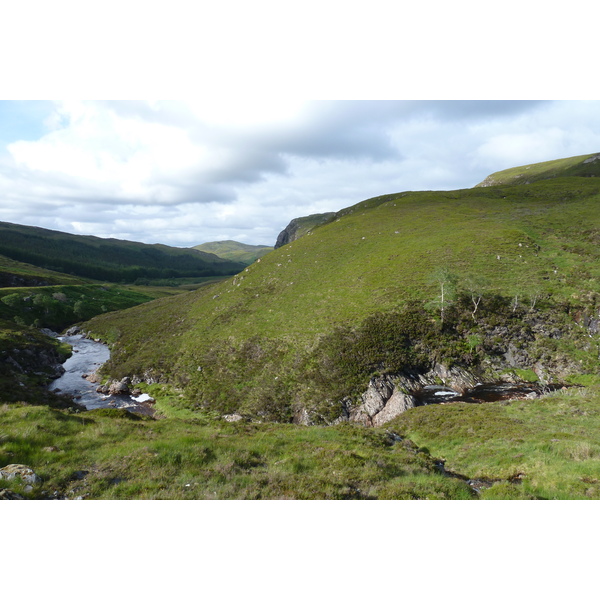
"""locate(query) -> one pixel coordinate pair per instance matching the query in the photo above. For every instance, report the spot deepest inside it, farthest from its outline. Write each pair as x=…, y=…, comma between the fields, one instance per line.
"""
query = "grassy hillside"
x=315, y=319
x=545, y=448
x=110, y=454
x=107, y=259
x=57, y=307
x=587, y=165
x=235, y=251
x=18, y=274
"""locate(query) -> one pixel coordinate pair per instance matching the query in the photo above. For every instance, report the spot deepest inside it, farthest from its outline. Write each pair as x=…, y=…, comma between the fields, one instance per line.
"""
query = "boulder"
x=93, y=377
x=22, y=471
x=118, y=387
x=232, y=418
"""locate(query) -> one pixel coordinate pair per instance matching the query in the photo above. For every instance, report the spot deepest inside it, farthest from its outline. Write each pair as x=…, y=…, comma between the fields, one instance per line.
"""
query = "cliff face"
x=301, y=226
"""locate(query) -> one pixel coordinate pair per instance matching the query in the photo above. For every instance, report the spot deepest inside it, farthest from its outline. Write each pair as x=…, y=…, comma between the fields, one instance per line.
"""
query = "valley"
x=299, y=372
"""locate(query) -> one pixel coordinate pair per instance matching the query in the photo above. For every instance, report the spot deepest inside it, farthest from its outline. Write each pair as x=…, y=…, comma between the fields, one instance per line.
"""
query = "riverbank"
x=78, y=381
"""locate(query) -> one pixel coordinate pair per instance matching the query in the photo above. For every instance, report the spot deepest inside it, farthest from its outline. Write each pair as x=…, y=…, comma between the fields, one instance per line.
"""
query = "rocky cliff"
x=301, y=226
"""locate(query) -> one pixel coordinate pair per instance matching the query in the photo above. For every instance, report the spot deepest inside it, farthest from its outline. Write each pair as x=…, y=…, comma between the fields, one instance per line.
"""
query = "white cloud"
x=186, y=173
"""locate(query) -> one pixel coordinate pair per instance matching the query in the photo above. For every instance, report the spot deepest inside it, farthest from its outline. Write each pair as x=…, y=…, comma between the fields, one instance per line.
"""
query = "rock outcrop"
x=23, y=472
x=301, y=226
x=388, y=396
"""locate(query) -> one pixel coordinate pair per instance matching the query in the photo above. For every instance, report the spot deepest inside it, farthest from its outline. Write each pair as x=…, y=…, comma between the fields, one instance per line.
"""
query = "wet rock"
x=25, y=473
x=118, y=387
x=73, y=330
x=92, y=377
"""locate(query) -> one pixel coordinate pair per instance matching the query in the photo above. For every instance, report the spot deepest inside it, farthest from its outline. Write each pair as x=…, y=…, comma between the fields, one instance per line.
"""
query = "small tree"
x=476, y=285
x=446, y=280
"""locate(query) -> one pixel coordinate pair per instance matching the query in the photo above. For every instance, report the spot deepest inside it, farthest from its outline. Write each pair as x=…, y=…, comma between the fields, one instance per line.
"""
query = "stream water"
x=482, y=392
x=87, y=357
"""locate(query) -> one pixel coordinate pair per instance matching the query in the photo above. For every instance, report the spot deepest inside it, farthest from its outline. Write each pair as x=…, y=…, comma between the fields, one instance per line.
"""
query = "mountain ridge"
x=235, y=251
x=107, y=259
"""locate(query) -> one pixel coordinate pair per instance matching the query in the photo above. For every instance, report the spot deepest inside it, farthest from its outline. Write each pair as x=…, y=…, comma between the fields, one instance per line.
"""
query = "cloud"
x=184, y=173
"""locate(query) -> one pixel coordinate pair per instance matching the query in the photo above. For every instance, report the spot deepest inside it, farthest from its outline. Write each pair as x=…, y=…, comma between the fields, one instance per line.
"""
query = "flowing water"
x=87, y=357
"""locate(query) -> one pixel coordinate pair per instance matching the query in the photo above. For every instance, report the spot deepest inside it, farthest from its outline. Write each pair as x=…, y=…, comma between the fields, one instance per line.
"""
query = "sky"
x=187, y=172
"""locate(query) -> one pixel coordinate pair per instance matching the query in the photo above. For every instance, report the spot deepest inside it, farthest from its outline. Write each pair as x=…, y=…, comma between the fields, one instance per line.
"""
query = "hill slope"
x=107, y=259
x=300, y=334
x=587, y=165
x=18, y=274
x=235, y=251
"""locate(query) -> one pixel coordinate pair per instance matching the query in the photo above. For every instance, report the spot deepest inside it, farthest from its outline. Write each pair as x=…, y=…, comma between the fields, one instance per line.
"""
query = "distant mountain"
x=107, y=259
x=235, y=251
x=301, y=226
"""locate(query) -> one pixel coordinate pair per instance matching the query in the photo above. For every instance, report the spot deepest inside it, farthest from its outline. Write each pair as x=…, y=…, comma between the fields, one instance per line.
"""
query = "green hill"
x=299, y=335
x=235, y=251
x=107, y=259
x=587, y=165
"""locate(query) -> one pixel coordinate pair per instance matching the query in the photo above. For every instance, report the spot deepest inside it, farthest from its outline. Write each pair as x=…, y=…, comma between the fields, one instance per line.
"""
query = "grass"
x=108, y=454
x=546, y=448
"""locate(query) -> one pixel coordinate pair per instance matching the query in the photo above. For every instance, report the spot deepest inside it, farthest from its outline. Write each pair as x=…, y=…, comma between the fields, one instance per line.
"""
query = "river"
x=87, y=357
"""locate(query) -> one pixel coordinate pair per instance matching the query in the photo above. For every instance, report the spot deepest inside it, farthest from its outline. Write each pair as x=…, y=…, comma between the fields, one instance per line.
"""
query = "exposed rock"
x=93, y=377
x=73, y=330
x=456, y=378
x=378, y=392
x=233, y=418
x=10, y=495
x=150, y=376
x=515, y=357
x=396, y=405
x=118, y=387
x=302, y=417
x=23, y=471
x=388, y=396
x=49, y=332
x=301, y=226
